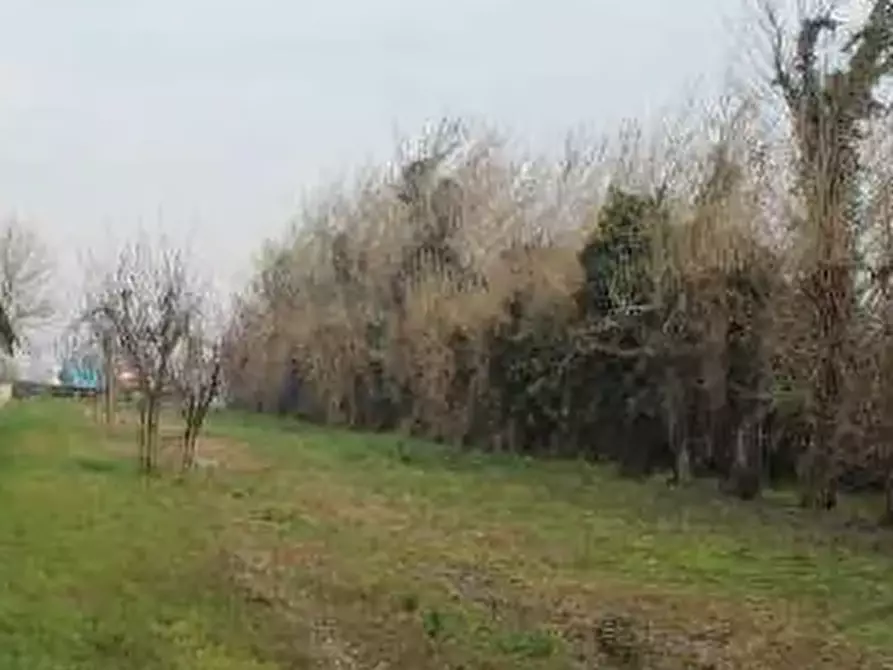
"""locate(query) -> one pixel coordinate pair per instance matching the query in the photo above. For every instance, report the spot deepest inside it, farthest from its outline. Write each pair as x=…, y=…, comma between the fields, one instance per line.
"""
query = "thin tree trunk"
x=109, y=391
x=196, y=414
x=142, y=433
x=675, y=416
x=746, y=471
x=683, y=464
x=188, y=452
x=887, y=518
x=190, y=437
x=151, y=432
x=187, y=410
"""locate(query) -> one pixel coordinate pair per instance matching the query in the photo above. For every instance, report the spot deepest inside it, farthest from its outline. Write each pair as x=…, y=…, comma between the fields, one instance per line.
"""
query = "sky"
x=209, y=120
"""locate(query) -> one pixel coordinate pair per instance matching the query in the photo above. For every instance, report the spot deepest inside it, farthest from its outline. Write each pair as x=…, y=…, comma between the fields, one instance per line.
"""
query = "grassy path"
x=309, y=548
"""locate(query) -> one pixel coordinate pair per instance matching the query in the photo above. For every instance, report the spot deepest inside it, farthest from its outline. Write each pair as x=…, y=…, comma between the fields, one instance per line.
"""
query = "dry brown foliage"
x=381, y=306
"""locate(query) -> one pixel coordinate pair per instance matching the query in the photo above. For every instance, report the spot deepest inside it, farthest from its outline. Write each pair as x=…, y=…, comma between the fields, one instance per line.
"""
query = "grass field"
x=299, y=547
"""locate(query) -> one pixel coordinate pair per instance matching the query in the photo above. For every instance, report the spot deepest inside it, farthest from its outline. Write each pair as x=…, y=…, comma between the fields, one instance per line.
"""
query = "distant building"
x=80, y=375
x=87, y=375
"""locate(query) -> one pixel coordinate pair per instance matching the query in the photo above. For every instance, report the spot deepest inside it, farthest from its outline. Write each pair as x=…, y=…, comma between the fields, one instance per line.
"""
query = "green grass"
x=97, y=568
x=306, y=547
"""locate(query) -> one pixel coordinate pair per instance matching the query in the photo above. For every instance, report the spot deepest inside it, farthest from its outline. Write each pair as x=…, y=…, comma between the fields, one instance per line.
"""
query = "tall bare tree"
x=147, y=300
x=26, y=273
x=828, y=108
x=26, y=270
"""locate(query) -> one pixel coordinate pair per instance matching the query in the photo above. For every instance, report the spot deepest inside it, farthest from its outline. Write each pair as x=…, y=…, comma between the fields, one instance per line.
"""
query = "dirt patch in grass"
x=613, y=625
x=444, y=614
x=661, y=630
x=395, y=582
x=230, y=455
x=309, y=622
x=386, y=560
x=338, y=504
x=424, y=600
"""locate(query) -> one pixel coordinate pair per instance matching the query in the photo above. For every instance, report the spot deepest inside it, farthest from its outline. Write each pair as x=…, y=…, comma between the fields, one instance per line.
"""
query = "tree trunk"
x=820, y=491
x=887, y=518
x=151, y=429
x=143, y=434
x=188, y=440
x=683, y=464
x=194, y=420
x=817, y=477
x=675, y=416
x=109, y=390
x=746, y=470
x=188, y=448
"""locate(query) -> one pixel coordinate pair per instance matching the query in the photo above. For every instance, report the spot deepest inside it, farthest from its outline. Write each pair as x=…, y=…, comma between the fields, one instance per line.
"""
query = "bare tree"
x=197, y=374
x=828, y=108
x=26, y=270
x=147, y=301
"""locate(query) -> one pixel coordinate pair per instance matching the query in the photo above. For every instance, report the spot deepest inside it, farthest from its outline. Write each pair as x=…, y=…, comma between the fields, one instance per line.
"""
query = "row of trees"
x=145, y=310
x=150, y=312
x=715, y=305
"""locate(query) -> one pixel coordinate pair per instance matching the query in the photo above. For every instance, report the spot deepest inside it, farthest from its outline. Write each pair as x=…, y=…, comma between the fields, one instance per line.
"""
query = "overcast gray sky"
x=209, y=117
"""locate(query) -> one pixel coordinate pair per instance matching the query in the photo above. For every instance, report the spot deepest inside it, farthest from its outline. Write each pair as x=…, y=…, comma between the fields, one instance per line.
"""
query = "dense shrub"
x=699, y=310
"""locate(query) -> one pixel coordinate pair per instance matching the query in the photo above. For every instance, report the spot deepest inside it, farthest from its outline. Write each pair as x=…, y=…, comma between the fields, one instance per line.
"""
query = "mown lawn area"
x=301, y=547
